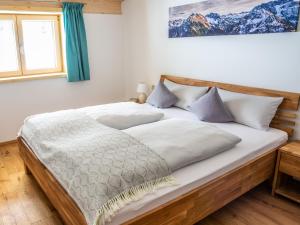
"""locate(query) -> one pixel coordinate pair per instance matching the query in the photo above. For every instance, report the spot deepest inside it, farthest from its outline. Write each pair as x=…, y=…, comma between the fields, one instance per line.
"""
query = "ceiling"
x=91, y=6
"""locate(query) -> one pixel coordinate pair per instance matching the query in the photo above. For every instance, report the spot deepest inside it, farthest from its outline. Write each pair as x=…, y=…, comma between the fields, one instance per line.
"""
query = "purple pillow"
x=210, y=108
x=161, y=97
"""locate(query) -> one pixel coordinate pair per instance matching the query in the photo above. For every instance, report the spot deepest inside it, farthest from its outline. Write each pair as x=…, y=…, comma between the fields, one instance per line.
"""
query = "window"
x=30, y=45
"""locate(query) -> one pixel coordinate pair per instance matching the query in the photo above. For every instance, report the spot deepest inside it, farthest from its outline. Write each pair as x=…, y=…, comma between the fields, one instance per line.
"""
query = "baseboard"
x=8, y=143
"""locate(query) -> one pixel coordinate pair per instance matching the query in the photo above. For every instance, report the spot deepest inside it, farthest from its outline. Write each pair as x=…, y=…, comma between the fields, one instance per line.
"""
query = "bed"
x=205, y=186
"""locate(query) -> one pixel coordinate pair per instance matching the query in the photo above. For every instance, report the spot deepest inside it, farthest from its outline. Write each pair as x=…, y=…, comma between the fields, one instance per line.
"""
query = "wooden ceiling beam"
x=91, y=6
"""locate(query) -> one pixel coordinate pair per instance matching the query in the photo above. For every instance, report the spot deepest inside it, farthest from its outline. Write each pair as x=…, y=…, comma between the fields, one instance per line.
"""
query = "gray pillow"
x=210, y=108
x=161, y=97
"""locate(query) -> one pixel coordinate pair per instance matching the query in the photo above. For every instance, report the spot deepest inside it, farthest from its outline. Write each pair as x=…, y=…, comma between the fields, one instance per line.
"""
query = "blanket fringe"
x=109, y=209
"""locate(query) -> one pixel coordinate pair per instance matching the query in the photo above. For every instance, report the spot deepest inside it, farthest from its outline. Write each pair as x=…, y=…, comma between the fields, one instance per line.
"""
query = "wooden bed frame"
x=195, y=205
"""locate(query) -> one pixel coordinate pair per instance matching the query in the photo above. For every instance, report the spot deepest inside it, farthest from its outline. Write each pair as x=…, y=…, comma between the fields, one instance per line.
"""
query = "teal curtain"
x=76, y=44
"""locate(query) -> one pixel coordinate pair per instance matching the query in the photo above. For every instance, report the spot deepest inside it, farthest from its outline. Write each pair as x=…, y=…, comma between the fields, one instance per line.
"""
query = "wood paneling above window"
x=92, y=6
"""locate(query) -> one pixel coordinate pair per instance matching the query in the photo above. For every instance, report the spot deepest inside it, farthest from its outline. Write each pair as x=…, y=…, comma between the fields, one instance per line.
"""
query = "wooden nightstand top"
x=292, y=148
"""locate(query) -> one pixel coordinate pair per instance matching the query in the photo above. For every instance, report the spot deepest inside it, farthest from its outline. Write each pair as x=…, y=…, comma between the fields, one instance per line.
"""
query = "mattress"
x=254, y=143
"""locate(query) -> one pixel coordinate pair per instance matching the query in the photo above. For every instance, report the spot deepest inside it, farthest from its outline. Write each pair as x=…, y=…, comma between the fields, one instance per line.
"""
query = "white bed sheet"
x=254, y=143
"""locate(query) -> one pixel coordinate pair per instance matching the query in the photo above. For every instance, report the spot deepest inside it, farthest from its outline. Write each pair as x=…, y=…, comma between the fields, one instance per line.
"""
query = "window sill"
x=32, y=77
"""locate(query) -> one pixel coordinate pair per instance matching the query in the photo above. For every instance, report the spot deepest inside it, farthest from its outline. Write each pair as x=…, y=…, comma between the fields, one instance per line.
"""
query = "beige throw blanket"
x=101, y=168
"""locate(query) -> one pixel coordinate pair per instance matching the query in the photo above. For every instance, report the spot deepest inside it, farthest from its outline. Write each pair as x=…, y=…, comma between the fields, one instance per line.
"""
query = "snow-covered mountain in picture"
x=229, y=17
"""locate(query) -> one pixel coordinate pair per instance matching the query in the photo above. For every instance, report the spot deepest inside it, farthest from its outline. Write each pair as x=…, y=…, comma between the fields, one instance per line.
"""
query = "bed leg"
x=27, y=171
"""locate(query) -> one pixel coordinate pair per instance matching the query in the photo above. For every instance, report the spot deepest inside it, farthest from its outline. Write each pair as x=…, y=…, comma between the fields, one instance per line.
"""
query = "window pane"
x=39, y=44
x=8, y=48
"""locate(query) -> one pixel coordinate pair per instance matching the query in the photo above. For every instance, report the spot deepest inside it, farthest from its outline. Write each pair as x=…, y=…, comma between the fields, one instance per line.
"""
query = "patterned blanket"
x=101, y=168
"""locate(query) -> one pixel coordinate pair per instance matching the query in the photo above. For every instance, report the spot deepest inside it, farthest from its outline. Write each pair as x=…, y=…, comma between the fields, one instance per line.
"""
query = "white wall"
x=266, y=60
x=105, y=42
x=133, y=47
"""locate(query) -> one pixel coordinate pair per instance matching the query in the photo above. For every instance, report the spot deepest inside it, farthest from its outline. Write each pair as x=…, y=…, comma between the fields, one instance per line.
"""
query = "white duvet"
x=183, y=142
x=180, y=142
x=123, y=115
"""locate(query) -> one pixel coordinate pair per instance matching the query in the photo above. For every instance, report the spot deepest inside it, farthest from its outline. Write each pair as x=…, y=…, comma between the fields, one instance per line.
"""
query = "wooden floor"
x=23, y=203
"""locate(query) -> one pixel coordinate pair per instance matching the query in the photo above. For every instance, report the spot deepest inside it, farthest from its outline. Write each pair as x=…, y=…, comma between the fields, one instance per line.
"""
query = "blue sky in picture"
x=231, y=17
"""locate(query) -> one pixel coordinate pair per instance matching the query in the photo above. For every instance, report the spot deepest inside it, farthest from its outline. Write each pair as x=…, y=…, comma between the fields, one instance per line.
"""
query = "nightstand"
x=287, y=173
x=134, y=100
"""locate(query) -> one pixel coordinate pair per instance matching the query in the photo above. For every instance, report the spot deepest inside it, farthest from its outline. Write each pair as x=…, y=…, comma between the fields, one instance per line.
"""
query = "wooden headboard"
x=285, y=116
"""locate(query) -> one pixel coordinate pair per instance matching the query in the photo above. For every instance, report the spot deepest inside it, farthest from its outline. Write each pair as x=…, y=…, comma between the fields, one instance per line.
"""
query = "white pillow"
x=185, y=93
x=129, y=119
x=251, y=110
x=123, y=115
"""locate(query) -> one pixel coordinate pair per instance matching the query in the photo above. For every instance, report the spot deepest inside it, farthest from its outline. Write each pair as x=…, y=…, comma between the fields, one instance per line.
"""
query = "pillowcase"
x=161, y=97
x=123, y=115
x=210, y=108
x=130, y=118
x=253, y=111
x=186, y=94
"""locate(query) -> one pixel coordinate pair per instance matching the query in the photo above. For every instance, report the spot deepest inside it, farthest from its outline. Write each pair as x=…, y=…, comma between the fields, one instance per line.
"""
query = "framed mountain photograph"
x=232, y=17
